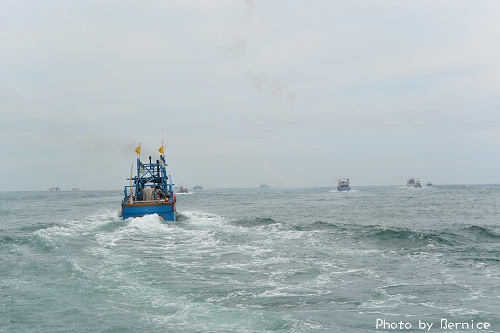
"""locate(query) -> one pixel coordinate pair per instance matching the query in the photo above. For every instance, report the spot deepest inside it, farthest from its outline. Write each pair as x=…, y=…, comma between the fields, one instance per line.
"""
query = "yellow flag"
x=161, y=149
x=138, y=149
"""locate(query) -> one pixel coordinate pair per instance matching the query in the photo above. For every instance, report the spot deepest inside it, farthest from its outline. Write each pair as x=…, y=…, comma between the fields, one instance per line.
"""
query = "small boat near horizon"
x=181, y=189
x=412, y=182
x=264, y=187
x=150, y=192
x=343, y=185
x=198, y=187
x=429, y=184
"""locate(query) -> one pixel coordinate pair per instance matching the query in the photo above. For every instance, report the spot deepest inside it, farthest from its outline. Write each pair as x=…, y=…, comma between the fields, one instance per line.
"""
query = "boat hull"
x=164, y=209
x=343, y=189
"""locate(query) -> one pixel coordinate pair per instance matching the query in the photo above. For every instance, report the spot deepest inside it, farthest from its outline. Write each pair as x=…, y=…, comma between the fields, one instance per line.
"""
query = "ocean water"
x=248, y=260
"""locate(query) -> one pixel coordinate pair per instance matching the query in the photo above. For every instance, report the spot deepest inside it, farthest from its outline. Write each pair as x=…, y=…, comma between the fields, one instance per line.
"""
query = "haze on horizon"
x=291, y=94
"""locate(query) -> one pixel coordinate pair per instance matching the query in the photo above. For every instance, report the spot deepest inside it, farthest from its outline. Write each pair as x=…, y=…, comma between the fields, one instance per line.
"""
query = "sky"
x=286, y=93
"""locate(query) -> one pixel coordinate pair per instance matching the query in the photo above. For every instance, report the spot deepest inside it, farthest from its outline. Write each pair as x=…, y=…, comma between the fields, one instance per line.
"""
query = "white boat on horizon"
x=412, y=182
x=343, y=185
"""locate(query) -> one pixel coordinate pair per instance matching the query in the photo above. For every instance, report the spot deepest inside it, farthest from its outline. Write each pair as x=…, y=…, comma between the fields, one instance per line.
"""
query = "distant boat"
x=150, y=192
x=54, y=189
x=75, y=189
x=343, y=185
x=264, y=187
x=429, y=184
x=183, y=189
x=198, y=187
x=412, y=182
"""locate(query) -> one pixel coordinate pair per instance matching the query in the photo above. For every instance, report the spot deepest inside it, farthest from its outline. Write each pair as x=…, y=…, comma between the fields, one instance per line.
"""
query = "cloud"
x=237, y=47
x=273, y=86
x=250, y=5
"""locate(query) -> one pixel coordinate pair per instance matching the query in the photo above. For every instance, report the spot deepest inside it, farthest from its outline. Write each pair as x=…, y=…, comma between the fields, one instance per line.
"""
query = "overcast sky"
x=287, y=93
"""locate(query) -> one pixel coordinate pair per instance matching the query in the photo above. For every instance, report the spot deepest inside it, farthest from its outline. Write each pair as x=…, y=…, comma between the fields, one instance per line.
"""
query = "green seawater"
x=251, y=260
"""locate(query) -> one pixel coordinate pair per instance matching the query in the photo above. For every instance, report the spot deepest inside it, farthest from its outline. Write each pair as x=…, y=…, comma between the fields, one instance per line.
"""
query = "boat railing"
x=167, y=193
x=153, y=201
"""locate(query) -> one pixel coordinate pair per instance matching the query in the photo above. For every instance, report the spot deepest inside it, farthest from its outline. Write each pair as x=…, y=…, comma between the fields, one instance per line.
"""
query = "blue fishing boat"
x=150, y=191
x=343, y=185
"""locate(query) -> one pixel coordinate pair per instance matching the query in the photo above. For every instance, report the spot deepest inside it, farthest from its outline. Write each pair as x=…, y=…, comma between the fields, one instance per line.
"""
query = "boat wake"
x=208, y=265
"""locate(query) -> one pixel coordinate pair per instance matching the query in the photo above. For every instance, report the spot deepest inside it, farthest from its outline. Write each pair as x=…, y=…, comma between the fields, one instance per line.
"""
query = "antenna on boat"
x=163, y=138
x=130, y=198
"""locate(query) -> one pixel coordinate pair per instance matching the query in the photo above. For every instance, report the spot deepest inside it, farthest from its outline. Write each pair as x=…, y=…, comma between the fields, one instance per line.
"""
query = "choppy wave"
x=482, y=234
x=397, y=236
x=6, y=240
x=402, y=237
x=254, y=222
x=320, y=225
x=109, y=223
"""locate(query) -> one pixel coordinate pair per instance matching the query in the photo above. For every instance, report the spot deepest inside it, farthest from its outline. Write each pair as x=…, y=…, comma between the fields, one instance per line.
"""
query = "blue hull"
x=343, y=189
x=164, y=209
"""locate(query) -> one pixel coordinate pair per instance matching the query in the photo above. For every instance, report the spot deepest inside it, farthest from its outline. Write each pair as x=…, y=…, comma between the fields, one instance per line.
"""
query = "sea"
x=375, y=259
